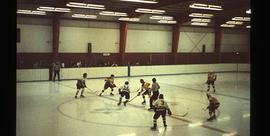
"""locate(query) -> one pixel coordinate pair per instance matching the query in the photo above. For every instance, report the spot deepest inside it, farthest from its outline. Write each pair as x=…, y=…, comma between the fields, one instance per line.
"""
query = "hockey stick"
x=92, y=91
x=137, y=95
x=135, y=91
x=185, y=114
x=133, y=98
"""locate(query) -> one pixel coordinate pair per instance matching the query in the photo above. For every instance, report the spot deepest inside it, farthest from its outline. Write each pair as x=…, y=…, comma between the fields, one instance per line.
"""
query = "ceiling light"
x=85, y=5
x=241, y=18
x=33, y=12
x=201, y=15
x=84, y=16
x=199, y=24
x=151, y=11
x=53, y=9
x=200, y=20
x=234, y=22
x=111, y=13
x=205, y=6
x=248, y=11
x=161, y=17
x=248, y=26
x=226, y=25
x=129, y=19
x=167, y=22
x=141, y=1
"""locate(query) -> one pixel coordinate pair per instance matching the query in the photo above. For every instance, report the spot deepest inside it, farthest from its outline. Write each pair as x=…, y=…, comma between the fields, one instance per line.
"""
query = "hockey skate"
x=143, y=103
x=82, y=96
x=125, y=103
x=76, y=97
x=111, y=94
x=119, y=103
x=153, y=128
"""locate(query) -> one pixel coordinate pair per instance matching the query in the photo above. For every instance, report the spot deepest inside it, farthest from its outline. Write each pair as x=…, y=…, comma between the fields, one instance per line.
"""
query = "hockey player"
x=160, y=108
x=213, y=105
x=124, y=91
x=109, y=83
x=145, y=90
x=211, y=78
x=155, y=92
x=81, y=85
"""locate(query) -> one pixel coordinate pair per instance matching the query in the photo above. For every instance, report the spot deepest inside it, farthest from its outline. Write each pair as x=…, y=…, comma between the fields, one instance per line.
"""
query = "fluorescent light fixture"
x=234, y=22
x=226, y=25
x=205, y=6
x=129, y=19
x=111, y=13
x=84, y=16
x=241, y=18
x=32, y=12
x=142, y=1
x=199, y=24
x=53, y=9
x=161, y=17
x=248, y=26
x=85, y=5
x=248, y=11
x=151, y=11
x=200, y=20
x=201, y=15
x=195, y=124
x=167, y=22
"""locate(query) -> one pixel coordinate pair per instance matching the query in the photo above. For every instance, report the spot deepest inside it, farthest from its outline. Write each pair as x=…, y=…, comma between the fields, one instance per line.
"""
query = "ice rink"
x=49, y=108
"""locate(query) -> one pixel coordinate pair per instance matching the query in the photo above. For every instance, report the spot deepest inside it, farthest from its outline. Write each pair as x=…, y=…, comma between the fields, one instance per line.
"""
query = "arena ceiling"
x=178, y=9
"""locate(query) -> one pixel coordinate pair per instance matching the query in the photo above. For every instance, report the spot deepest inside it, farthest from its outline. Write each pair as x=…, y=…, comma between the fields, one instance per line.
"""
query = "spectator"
x=114, y=64
x=79, y=64
x=62, y=64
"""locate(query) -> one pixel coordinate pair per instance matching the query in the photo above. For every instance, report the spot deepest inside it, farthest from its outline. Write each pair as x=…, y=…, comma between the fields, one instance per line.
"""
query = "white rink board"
x=122, y=71
x=32, y=74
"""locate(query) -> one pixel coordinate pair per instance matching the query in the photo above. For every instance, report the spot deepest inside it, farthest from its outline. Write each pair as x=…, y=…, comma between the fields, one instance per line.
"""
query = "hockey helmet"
x=154, y=80
x=141, y=80
x=126, y=83
x=112, y=75
x=84, y=74
x=160, y=96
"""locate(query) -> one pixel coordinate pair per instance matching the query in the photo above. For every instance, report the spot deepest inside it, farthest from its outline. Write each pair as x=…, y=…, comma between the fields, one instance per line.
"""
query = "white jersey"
x=125, y=88
x=160, y=105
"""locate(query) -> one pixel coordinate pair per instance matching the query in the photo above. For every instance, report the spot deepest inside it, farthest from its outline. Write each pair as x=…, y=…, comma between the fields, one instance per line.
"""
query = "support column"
x=218, y=36
x=55, y=40
x=55, y=35
x=175, y=41
x=123, y=38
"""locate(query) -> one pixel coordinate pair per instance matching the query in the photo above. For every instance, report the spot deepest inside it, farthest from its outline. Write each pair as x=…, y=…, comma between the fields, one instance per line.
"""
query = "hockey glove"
x=169, y=112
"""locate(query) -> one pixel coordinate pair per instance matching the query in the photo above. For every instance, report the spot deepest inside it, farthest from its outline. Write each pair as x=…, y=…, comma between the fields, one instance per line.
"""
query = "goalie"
x=211, y=78
x=160, y=108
